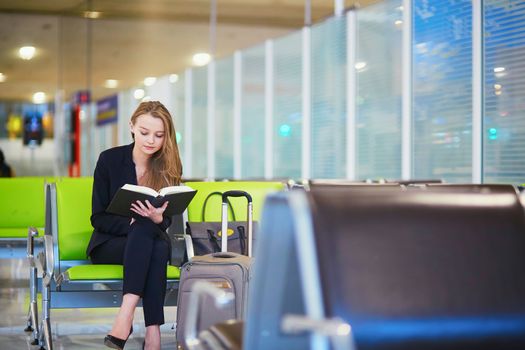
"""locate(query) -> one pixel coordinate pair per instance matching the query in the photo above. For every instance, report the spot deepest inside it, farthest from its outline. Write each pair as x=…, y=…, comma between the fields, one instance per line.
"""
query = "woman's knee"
x=161, y=250
x=143, y=228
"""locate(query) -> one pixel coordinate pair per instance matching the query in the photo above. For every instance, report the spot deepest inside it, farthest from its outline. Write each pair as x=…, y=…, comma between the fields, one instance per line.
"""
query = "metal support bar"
x=338, y=331
x=477, y=91
x=406, y=123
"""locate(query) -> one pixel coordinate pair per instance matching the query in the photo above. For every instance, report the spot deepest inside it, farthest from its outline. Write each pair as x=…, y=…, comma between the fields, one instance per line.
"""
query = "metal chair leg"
x=33, y=306
x=45, y=336
x=29, y=327
x=48, y=340
x=32, y=322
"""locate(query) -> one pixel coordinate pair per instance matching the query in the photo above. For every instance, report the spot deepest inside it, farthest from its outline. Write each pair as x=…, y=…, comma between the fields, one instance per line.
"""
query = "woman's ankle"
x=152, y=338
x=122, y=327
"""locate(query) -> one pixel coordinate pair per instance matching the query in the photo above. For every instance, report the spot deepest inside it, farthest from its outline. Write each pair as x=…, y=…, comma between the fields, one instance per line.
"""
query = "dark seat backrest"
x=423, y=269
x=476, y=188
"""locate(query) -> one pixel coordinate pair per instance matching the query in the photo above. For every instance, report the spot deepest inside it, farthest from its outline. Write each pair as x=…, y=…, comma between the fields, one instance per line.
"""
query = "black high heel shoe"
x=116, y=343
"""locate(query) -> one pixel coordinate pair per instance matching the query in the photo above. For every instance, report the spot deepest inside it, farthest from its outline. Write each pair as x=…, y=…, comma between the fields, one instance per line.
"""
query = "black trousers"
x=144, y=254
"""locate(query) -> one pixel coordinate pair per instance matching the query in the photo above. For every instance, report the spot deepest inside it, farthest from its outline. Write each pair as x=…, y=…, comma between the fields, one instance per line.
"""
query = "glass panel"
x=378, y=76
x=504, y=123
x=199, y=137
x=252, y=117
x=442, y=55
x=287, y=114
x=179, y=114
x=328, y=53
x=224, y=118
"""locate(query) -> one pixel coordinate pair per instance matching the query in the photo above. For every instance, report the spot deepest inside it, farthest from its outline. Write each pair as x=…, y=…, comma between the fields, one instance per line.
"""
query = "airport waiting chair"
x=69, y=280
x=387, y=270
x=257, y=189
x=22, y=206
x=411, y=270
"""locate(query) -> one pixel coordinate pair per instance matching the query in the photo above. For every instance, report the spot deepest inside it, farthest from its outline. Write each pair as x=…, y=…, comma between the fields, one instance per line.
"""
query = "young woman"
x=140, y=244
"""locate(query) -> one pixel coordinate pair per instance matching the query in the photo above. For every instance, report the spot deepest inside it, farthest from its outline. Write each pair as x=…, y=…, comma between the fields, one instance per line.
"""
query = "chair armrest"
x=32, y=232
x=47, y=260
x=200, y=288
x=189, y=246
x=338, y=331
x=178, y=248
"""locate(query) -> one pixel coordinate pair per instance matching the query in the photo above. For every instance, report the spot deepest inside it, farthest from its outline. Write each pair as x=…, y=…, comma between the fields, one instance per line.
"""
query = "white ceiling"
x=133, y=39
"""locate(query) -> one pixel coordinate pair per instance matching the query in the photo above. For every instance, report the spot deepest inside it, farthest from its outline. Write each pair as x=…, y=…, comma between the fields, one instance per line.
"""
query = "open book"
x=179, y=198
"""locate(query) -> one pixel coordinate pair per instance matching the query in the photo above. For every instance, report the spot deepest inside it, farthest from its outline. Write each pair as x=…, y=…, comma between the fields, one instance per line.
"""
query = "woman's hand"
x=149, y=211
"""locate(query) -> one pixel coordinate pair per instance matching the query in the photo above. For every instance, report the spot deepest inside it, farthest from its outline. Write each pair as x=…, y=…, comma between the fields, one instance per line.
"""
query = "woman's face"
x=149, y=134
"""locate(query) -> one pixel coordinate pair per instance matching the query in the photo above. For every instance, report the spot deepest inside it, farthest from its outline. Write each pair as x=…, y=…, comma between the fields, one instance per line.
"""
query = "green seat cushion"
x=22, y=203
x=108, y=272
x=73, y=221
x=17, y=232
x=257, y=189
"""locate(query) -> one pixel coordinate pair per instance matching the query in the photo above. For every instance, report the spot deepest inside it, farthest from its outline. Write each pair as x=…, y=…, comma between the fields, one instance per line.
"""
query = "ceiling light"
x=497, y=86
x=111, y=83
x=201, y=59
x=138, y=94
x=360, y=66
x=2, y=77
x=174, y=78
x=92, y=14
x=39, y=97
x=149, y=81
x=398, y=23
x=26, y=52
x=499, y=69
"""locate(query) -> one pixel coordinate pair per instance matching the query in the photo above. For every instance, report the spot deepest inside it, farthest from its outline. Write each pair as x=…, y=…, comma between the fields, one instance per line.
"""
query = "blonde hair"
x=165, y=166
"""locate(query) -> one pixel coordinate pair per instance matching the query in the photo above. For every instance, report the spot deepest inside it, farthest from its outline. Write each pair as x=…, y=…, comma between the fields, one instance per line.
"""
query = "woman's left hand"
x=149, y=211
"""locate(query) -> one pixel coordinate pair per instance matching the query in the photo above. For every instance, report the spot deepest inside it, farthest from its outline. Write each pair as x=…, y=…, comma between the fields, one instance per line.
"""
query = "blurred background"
x=270, y=88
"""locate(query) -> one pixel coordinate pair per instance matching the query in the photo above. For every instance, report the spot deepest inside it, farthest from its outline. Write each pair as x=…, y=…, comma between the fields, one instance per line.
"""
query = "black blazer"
x=114, y=169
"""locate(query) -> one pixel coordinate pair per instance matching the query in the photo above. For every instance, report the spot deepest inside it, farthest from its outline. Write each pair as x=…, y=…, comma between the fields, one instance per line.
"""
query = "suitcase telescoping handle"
x=249, y=216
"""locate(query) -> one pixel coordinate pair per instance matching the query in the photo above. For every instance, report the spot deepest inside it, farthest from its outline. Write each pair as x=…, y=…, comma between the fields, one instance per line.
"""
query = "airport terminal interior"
x=377, y=143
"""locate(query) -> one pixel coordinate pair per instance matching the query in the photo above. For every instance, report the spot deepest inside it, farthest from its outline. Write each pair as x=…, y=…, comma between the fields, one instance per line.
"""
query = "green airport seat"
x=106, y=272
x=257, y=189
x=69, y=279
x=22, y=206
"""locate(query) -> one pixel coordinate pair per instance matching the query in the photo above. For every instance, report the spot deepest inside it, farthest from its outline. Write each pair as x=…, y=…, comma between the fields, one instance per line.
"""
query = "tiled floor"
x=72, y=329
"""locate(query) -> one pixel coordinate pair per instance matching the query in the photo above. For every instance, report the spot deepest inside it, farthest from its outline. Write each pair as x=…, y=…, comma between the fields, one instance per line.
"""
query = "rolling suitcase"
x=225, y=270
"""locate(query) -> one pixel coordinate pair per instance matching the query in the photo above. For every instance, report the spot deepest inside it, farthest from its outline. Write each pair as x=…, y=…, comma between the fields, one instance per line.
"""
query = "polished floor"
x=73, y=329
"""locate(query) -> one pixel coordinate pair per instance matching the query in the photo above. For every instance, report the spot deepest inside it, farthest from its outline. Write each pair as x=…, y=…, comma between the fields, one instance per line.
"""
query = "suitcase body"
x=228, y=271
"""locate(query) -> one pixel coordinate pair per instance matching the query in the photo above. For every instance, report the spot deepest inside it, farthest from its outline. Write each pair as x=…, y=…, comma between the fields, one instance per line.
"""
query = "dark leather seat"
x=423, y=269
x=429, y=269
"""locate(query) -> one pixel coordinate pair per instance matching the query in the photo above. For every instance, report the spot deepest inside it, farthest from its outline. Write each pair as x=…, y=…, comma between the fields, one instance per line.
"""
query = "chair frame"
x=58, y=291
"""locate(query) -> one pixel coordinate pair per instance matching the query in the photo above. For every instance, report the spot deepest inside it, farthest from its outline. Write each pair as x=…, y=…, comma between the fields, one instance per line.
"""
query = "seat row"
x=349, y=267
x=67, y=278
x=356, y=265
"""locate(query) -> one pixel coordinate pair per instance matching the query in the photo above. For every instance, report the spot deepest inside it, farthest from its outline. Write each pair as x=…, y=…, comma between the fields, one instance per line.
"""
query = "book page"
x=141, y=189
x=174, y=189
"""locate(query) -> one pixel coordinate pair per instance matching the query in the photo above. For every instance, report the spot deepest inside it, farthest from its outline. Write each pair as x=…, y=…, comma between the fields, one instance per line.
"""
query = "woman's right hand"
x=149, y=211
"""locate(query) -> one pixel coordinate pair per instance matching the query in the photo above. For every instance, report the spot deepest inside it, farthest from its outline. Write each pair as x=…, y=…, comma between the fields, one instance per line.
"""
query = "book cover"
x=179, y=198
